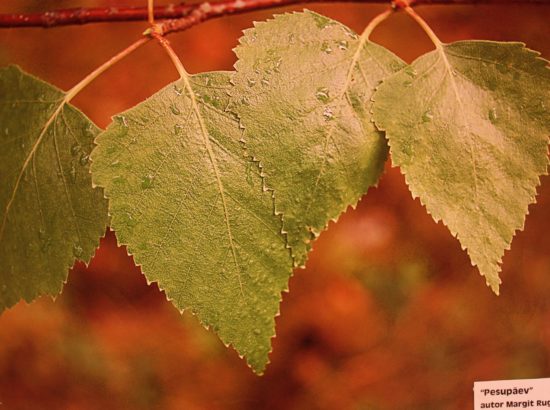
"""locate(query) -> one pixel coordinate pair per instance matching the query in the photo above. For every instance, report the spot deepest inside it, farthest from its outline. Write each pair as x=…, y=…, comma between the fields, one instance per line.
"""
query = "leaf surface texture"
x=191, y=207
x=50, y=215
x=303, y=85
x=468, y=124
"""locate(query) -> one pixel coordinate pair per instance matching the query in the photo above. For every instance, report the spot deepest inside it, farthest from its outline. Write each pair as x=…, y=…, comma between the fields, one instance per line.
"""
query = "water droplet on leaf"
x=89, y=131
x=147, y=181
x=427, y=116
x=72, y=173
x=326, y=47
x=77, y=251
x=493, y=115
x=175, y=110
x=84, y=159
x=327, y=113
x=411, y=72
x=75, y=149
x=322, y=94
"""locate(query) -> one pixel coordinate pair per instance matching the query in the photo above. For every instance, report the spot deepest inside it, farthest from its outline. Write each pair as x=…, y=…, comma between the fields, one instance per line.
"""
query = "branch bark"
x=189, y=15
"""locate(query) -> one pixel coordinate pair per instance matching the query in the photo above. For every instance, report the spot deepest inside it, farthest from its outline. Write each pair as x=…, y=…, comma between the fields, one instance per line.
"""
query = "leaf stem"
x=172, y=54
x=151, y=11
x=102, y=68
x=422, y=23
x=376, y=21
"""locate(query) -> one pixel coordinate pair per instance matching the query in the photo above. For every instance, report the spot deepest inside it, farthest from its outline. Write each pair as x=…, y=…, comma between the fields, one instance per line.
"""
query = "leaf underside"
x=50, y=215
x=468, y=124
x=191, y=208
x=302, y=90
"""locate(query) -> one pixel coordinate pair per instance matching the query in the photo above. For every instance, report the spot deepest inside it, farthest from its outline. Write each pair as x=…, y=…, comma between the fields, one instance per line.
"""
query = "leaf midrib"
x=28, y=159
x=213, y=161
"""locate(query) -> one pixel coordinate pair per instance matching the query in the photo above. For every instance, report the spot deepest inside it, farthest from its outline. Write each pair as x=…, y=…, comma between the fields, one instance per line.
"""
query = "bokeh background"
x=388, y=314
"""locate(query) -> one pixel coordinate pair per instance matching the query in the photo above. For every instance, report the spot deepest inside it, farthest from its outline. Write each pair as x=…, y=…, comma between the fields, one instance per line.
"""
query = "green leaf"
x=192, y=209
x=468, y=124
x=302, y=91
x=50, y=215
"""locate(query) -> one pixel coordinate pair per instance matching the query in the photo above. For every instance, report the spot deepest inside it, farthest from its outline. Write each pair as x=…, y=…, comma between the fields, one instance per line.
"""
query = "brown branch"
x=191, y=14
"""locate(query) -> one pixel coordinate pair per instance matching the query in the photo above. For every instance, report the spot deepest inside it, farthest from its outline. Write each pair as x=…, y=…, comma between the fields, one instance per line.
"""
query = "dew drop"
x=115, y=163
x=326, y=47
x=411, y=72
x=427, y=116
x=343, y=45
x=77, y=251
x=89, y=131
x=124, y=125
x=257, y=331
x=178, y=129
x=178, y=90
x=322, y=94
x=84, y=159
x=407, y=83
x=6, y=131
x=493, y=115
x=327, y=113
x=75, y=149
x=265, y=81
x=251, y=82
x=72, y=173
x=175, y=110
x=147, y=181
x=41, y=234
x=277, y=65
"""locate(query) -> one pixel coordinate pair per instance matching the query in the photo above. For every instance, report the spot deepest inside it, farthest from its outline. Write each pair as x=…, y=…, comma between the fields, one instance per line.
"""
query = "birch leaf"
x=303, y=85
x=50, y=215
x=192, y=210
x=468, y=124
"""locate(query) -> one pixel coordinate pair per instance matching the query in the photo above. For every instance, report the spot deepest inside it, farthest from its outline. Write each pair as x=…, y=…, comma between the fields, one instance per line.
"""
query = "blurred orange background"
x=388, y=314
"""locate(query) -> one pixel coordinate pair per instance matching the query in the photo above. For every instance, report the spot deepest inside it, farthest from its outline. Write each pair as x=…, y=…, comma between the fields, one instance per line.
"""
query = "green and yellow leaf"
x=50, y=215
x=303, y=88
x=191, y=207
x=468, y=125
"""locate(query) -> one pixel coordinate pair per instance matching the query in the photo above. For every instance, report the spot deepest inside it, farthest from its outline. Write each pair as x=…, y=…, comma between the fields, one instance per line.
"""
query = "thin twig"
x=178, y=11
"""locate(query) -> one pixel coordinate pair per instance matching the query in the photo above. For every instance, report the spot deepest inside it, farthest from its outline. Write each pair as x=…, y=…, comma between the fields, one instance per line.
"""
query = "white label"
x=512, y=394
